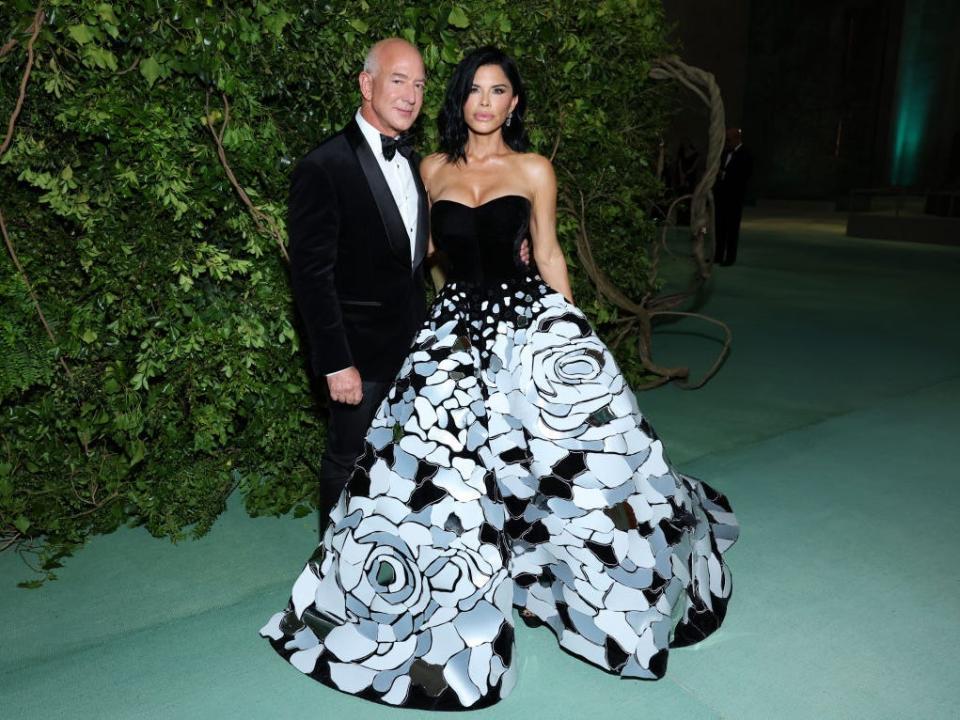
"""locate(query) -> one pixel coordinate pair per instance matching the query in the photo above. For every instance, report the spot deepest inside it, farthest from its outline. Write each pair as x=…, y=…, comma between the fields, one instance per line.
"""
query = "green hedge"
x=169, y=301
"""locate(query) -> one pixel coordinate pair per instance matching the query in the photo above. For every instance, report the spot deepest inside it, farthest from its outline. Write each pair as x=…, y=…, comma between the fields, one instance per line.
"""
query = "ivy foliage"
x=169, y=302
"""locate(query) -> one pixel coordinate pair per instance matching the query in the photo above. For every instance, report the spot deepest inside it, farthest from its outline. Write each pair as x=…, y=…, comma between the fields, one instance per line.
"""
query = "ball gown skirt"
x=509, y=466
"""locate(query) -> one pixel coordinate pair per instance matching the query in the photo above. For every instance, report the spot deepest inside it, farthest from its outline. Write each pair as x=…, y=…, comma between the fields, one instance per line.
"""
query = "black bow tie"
x=391, y=145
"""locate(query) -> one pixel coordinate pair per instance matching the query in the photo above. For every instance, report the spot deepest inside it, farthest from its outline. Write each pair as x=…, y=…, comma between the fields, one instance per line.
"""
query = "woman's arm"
x=428, y=168
x=543, y=225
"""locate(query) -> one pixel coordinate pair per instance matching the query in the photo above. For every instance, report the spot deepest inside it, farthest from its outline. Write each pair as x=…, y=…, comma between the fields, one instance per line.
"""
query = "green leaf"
x=450, y=54
x=30, y=584
x=101, y=57
x=276, y=22
x=136, y=452
x=80, y=33
x=151, y=70
x=359, y=25
x=88, y=336
x=22, y=524
x=458, y=18
x=105, y=11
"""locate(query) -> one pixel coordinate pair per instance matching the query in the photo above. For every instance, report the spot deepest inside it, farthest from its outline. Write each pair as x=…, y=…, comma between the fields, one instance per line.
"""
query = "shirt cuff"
x=337, y=372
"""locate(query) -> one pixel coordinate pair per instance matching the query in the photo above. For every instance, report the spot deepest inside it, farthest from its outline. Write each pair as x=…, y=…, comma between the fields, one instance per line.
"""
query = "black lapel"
x=423, y=213
x=397, y=236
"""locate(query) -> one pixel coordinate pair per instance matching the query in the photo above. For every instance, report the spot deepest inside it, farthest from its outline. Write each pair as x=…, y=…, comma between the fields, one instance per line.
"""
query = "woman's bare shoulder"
x=535, y=165
x=537, y=169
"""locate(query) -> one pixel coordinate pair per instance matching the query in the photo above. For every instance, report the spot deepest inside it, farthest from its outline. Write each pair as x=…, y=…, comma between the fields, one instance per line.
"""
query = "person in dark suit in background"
x=358, y=231
x=729, y=192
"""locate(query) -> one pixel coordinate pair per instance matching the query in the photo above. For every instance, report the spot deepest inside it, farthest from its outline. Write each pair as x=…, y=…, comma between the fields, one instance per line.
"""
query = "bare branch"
x=556, y=142
x=12, y=124
x=8, y=46
x=38, y=19
x=265, y=223
x=721, y=356
x=11, y=541
x=133, y=66
x=657, y=381
x=33, y=294
x=100, y=505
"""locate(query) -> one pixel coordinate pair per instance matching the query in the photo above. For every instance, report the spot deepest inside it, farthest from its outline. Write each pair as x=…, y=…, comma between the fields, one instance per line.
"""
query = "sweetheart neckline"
x=477, y=207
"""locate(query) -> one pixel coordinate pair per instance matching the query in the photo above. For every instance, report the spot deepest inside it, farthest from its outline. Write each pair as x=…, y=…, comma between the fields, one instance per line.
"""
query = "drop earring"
x=509, y=118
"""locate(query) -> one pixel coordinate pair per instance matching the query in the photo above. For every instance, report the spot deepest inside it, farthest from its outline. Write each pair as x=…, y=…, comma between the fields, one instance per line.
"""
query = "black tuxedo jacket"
x=732, y=183
x=359, y=294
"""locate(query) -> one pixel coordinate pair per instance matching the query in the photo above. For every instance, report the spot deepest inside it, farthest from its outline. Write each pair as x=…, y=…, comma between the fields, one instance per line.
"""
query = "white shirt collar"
x=372, y=135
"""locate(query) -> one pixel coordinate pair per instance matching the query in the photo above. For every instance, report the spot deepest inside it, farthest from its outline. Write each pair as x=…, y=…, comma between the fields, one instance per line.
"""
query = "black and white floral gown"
x=508, y=466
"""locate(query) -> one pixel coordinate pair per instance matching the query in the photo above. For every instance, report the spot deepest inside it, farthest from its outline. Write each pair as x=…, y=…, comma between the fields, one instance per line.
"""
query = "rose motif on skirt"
x=459, y=577
x=377, y=568
x=565, y=374
x=394, y=579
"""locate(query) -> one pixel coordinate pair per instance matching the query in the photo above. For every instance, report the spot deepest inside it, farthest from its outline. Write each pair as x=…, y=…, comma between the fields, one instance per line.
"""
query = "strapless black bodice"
x=482, y=244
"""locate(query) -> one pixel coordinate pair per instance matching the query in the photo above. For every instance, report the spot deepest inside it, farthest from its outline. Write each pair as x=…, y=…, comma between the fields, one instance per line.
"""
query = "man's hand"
x=525, y=252
x=345, y=386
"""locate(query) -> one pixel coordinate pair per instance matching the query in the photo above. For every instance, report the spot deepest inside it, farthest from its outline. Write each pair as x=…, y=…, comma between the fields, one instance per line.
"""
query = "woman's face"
x=490, y=102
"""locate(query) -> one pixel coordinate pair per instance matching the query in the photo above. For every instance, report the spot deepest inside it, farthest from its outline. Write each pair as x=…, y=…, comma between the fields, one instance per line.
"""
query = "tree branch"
x=11, y=125
x=33, y=294
x=8, y=46
x=133, y=66
x=264, y=222
x=556, y=142
x=98, y=506
x=38, y=19
x=11, y=541
x=721, y=356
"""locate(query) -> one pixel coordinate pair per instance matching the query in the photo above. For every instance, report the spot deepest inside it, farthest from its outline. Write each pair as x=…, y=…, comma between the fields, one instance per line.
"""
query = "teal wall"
x=819, y=90
x=925, y=110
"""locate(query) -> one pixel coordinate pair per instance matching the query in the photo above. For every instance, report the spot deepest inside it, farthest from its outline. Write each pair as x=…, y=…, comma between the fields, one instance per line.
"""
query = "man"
x=729, y=192
x=358, y=235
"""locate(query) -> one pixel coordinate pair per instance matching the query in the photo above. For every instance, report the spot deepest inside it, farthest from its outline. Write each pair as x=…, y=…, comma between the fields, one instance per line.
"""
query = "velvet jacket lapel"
x=397, y=236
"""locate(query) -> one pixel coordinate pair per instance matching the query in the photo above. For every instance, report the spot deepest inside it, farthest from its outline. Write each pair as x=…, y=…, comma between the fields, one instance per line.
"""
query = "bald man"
x=358, y=235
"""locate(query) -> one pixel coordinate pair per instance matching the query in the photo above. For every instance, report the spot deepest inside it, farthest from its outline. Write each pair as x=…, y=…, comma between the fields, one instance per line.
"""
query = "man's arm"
x=313, y=223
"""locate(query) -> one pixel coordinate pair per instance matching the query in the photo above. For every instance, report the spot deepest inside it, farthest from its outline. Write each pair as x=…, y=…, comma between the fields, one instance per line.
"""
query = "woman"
x=508, y=466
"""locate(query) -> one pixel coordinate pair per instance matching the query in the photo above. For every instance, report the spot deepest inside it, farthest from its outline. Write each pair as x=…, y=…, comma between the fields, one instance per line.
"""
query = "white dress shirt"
x=399, y=177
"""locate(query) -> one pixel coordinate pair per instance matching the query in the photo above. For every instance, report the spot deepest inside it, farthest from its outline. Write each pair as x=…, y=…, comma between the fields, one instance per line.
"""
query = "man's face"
x=393, y=93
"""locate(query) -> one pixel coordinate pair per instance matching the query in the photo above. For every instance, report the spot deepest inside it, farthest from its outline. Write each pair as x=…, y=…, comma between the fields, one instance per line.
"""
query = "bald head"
x=388, y=47
x=392, y=86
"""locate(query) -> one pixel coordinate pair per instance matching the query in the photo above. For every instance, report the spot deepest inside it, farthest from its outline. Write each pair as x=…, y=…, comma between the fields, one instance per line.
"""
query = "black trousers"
x=729, y=215
x=346, y=429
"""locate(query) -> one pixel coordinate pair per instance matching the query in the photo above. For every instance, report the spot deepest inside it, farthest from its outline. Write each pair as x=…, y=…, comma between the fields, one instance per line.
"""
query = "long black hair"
x=451, y=123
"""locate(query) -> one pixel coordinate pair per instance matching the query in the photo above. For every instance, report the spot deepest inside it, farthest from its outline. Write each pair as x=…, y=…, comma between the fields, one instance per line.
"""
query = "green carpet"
x=831, y=428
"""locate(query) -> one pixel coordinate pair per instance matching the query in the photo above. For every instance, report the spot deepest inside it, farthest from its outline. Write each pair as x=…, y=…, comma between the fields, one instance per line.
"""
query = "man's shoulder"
x=329, y=149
